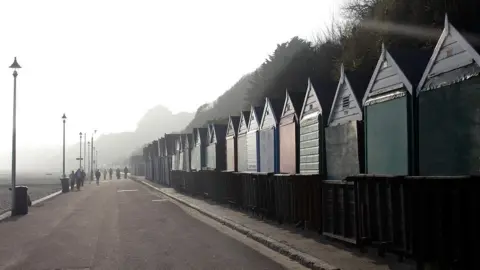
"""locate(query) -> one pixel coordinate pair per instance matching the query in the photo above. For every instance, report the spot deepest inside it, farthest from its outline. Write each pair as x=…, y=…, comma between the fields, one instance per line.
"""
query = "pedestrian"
x=84, y=175
x=104, y=174
x=72, y=180
x=125, y=171
x=118, y=173
x=97, y=175
x=78, y=178
x=110, y=172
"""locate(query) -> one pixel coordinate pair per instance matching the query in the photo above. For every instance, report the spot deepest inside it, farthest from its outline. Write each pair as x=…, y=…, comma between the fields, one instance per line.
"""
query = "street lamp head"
x=64, y=118
x=15, y=65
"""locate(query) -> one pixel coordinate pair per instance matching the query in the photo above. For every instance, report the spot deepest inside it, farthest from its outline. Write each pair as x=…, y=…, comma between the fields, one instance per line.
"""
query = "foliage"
x=356, y=42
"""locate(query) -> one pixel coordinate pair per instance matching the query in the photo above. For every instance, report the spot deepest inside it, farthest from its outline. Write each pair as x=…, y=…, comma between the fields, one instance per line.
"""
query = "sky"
x=106, y=62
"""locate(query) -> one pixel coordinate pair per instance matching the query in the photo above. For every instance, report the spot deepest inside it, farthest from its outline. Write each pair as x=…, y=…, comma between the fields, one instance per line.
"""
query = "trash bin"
x=65, y=185
x=21, y=200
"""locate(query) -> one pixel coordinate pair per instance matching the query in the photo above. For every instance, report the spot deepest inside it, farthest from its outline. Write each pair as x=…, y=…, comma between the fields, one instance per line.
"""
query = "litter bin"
x=65, y=185
x=21, y=200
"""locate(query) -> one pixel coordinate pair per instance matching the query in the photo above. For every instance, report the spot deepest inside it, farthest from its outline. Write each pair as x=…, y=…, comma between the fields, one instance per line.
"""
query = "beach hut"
x=449, y=105
x=155, y=161
x=198, y=152
x=313, y=117
x=231, y=140
x=170, y=141
x=253, y=161
x=187, y=152
x=178, y=154
x=288, y=132
x=242, y=141
x=163, y=159
x=389, y=112
x=216, y=147
x=269, y=151
x=344, y=140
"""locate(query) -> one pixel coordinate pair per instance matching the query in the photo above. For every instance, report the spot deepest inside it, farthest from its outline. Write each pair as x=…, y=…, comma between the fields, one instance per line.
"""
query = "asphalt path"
x=122, y=224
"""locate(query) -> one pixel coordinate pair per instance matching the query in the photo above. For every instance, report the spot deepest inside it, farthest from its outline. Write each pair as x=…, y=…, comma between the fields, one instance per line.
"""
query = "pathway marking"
x=160, y=200
x=127, y=190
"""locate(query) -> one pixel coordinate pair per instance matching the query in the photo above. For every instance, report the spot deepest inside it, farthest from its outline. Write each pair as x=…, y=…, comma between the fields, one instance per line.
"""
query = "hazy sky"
x=104, y=63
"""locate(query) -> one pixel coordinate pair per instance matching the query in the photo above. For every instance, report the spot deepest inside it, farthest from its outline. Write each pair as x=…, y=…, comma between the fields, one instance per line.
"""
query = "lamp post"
x=91, y=156
x=85, y=151
x=80, y=158
x=15, y=66
x=64, y=118
x=88, y=161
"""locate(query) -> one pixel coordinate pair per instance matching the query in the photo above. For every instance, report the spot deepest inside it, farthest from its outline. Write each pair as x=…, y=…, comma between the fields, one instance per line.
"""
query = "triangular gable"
x=209, y=134
x=452, y=52
x=271, y=113
x=387, y=77
x=243, y=125
x=311, y=102
x=345, y=106
x=214, y=134
x=287, y=105
x=232, y=126
x=253, y=123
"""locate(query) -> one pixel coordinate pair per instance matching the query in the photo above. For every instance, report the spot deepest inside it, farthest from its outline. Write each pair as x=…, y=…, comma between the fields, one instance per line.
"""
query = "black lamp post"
x=15, y=66
x=64, y=118
x=80, y=158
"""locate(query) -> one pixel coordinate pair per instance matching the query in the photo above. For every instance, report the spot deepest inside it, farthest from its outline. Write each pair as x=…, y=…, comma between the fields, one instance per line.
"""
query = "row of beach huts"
x=368, y=152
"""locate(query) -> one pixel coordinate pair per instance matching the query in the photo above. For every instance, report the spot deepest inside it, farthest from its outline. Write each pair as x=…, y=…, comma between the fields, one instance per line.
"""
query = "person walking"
x=118, y=173
x=84, y=175
x=125, y=171
x=110, y=172
x=72, y=180
x=78, y=178
x=97, y=175
x=104, y=174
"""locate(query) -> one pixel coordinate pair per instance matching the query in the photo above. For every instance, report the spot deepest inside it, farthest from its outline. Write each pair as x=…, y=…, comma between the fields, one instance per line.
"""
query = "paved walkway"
x=122, y=224
x=331, y=252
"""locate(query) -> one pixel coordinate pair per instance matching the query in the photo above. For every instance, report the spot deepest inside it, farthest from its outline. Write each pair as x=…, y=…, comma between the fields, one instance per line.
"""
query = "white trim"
x=374, y=76
x=448, y=29
x=340, y=83
x=242, y=116
x=310, y=88
x=252, y=113
x=265, y=108
x=287, y=98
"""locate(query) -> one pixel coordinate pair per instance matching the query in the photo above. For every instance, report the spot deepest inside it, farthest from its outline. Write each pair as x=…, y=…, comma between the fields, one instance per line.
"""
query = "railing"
x=427, y=219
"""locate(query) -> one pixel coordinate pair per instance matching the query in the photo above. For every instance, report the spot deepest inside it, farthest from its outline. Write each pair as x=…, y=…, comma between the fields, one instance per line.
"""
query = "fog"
x=105, y=63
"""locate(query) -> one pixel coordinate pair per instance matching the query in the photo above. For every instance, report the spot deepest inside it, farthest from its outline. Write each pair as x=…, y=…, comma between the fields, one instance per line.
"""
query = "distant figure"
x=84, y=175
x=110, y=172
x=104, y=174
x=118, y=173
x=72, y=180
x=78, y=178
x=97, y=176
x=125, y=171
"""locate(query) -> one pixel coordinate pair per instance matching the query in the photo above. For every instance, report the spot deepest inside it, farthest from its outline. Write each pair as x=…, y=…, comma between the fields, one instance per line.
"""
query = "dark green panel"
x=386, y=130
x=449, y=129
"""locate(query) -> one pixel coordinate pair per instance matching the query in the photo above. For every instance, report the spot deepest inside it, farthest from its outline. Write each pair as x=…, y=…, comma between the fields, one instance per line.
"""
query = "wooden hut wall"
x=210, y=153
x=268, y=135
x=242, y=142
x=220, y=146
x=311, y=134
x=231, y=144
x=288, y=132
x=344, y=141
x=449, y=103
x=253, y=141
x=196, y=152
